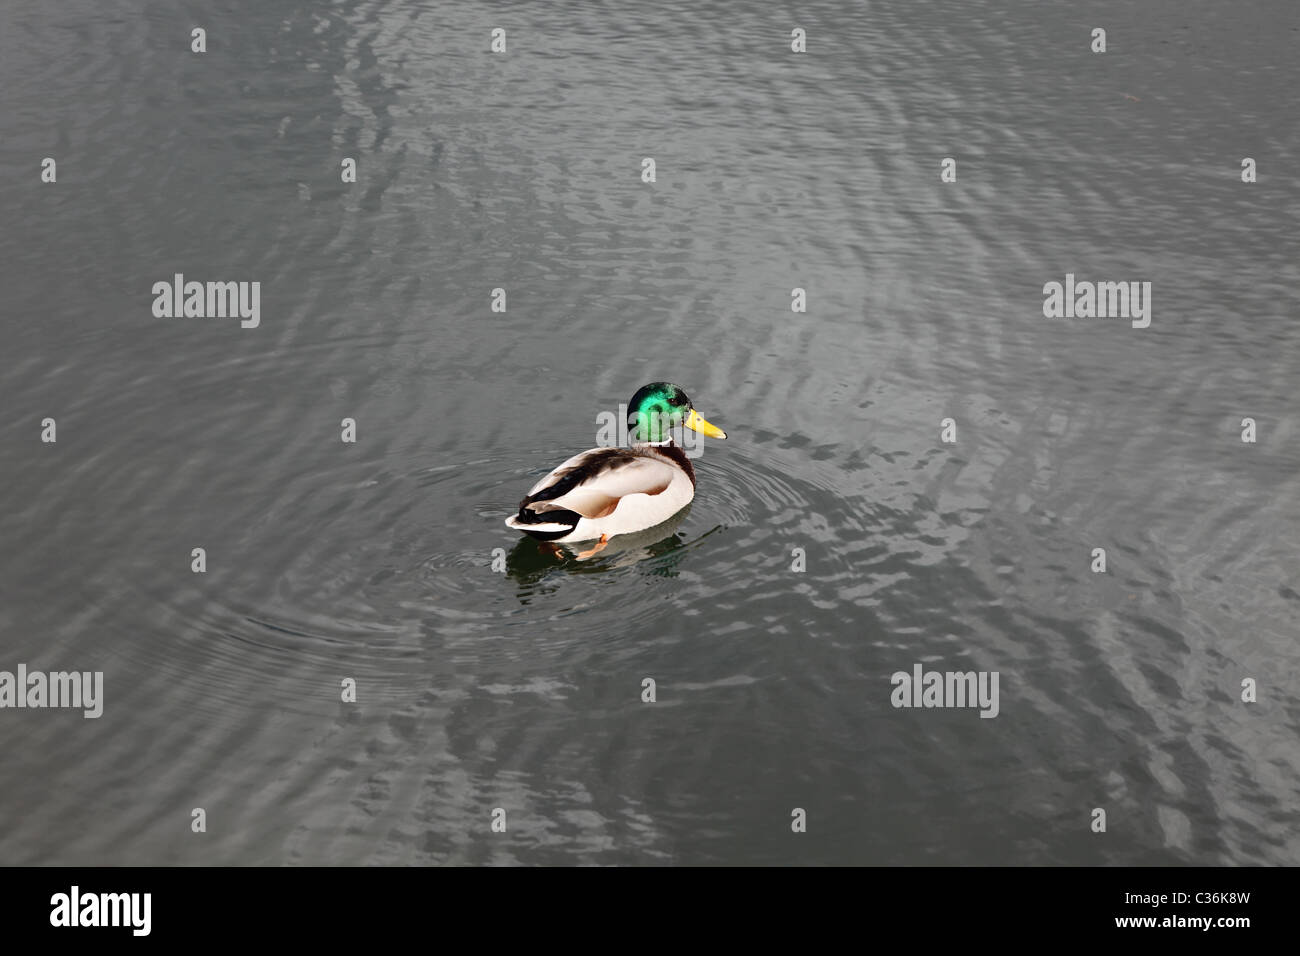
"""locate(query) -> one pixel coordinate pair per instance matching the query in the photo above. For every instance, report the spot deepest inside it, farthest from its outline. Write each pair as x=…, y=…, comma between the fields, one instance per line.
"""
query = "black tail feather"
x=558, y=516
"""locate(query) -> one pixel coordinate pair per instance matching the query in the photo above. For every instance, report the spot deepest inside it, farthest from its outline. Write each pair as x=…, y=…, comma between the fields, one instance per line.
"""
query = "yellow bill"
x=696, y=423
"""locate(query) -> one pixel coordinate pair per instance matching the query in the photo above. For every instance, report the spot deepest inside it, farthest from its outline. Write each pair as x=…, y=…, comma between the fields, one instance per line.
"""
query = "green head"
x=657, y=407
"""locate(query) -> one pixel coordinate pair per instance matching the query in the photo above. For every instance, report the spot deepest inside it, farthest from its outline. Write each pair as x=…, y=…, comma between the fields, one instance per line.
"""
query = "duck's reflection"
x=530, y=560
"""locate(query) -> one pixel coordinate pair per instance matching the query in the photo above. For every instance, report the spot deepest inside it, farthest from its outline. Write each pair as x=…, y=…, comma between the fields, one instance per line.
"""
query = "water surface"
x=521, y=688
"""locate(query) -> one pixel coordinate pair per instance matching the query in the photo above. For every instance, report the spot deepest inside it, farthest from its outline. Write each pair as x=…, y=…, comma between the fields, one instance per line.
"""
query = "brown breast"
x=677, y=456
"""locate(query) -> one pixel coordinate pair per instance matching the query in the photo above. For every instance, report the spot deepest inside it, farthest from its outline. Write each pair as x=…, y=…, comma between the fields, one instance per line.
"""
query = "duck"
x=604, y=492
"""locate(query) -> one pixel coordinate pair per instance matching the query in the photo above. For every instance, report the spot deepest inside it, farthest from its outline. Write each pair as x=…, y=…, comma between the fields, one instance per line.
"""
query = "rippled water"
x=479, y=688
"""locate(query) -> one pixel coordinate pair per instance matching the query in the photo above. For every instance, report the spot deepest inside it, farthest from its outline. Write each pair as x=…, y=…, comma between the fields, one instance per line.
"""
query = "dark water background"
x=522, y=689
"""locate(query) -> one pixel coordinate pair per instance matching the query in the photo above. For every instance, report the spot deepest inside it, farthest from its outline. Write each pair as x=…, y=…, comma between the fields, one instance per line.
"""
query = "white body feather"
x=628, y=496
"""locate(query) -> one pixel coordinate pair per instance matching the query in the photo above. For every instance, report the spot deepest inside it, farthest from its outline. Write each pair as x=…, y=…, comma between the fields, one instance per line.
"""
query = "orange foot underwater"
x=599, y=546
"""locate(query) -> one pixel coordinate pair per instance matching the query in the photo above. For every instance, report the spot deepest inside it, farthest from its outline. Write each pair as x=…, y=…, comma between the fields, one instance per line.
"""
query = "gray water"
x=519, y=686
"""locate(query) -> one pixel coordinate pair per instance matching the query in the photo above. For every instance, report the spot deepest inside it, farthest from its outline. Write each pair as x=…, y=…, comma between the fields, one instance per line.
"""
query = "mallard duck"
x=605, y=492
